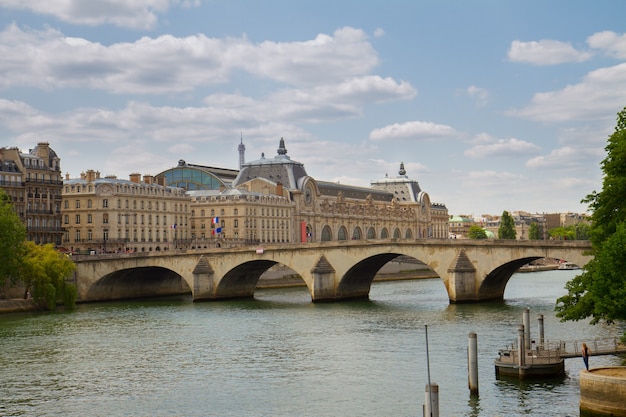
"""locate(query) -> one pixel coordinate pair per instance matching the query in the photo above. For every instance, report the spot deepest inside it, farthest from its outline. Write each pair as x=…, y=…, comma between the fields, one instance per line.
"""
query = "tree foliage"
x=476, y=232
x=507, y=227
x=12, y=237
x=578, y=231
x=44, y=270
x=534, y=232
x=600, y=291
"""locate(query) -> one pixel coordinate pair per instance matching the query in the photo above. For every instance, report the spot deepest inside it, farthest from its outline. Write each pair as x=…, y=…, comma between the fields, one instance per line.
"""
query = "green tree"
x=507, y=226
x=534, y=232
x=476, y=232
x=582, y=231
x=12, y=237
x=44, y=270
x=599, y=291
x=563, y=233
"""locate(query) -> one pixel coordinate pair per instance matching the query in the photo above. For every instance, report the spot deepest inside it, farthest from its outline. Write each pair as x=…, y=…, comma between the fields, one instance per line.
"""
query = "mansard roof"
x=281, y=168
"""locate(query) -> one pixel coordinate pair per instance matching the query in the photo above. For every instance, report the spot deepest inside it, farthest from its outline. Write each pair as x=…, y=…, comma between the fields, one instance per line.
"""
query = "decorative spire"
x=281, y=147
x=402, y=171
x=242, y=152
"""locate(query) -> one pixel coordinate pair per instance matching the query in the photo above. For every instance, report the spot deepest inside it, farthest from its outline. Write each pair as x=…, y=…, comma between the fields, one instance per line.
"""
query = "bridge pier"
x=203, y=288
x=324, y=287
x=461, y=284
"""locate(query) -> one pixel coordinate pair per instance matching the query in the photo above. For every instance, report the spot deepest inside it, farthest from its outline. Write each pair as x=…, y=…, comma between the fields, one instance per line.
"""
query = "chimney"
x=147, y=179
x=279, y=188
x=43, y=151
x=111, y=177
x=97, y=175
x=82, y=176
x=67, y=175
x=135, y=177
x=161, y=181
x=90, y=175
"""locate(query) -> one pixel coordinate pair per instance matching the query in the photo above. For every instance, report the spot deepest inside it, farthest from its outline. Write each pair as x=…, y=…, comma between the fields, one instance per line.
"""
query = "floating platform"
x=537, y=364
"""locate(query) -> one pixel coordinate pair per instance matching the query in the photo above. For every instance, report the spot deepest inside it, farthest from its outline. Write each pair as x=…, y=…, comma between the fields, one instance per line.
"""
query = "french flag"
x=216, y=220
x=217, y=231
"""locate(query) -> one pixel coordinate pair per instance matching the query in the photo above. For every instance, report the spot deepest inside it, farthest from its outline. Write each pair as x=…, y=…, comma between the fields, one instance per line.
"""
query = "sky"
x=492, y=105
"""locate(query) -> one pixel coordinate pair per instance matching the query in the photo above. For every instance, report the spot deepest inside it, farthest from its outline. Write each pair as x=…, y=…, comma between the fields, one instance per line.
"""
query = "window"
x=89, y=218
x=77, y=236
x=77, y=203
x=105, y=218
x=105, y=203
x=66, y=204
x=78, y=219
x=66, y=219
x=89, y=203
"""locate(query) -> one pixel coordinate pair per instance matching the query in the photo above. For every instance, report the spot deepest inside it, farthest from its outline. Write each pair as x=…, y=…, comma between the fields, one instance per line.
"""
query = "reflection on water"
x=281, y=355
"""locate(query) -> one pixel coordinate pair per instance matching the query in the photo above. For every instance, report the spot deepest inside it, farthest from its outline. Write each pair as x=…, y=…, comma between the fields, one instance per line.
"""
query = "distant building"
x=325, y=211
x=33, y=182
x=115, y=215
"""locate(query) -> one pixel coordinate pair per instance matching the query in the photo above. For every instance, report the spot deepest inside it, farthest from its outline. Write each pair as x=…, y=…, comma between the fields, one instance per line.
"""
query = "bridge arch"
x=494, y=284
x=141, y=282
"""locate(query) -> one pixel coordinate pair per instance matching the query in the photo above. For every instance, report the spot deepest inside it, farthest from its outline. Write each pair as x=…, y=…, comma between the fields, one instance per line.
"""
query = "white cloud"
x=378, y=33
x=48, y=59
x=412, y=130
x=502, y=147
x=600, y=93
x=480, y=95
x=545, y=52
x=136, y=14
x=567, y=157
x=613, y=43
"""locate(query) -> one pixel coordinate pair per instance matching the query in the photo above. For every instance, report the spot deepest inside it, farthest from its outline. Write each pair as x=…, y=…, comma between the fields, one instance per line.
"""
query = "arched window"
x=357, y=234
x=384, y=234
x=327, y=234
x=371, y=233
x=343, y=234
x=396, y=234
x=408, y=234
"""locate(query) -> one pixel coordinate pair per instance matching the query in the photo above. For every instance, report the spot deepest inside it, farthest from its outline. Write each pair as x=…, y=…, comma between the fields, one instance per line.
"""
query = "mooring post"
x=526, y=322
x=540, y=319
x=431, y=406
x=521, y=346
x=472, y=363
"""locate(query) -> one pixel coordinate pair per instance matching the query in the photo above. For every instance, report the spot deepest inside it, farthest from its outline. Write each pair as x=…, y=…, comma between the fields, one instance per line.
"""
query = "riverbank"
x=296, y=281
x=17, y=305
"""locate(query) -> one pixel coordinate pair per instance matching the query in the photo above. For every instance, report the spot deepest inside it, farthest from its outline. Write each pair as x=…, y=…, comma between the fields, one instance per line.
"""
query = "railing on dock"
x=552, y=352
x=608, y=346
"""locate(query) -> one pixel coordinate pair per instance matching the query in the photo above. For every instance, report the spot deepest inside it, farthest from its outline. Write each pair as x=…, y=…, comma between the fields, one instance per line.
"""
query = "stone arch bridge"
x=472, y=270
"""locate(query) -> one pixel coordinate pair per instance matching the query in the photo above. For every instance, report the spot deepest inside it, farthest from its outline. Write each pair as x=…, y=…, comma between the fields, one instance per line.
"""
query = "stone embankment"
x=17, y=305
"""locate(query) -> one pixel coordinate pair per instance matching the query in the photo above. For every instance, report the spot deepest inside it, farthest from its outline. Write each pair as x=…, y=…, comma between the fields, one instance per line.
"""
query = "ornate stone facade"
x=115, y=215
x=33, y=182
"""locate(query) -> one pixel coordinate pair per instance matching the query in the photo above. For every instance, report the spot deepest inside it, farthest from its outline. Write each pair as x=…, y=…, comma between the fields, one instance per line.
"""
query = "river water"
x=281, y=355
